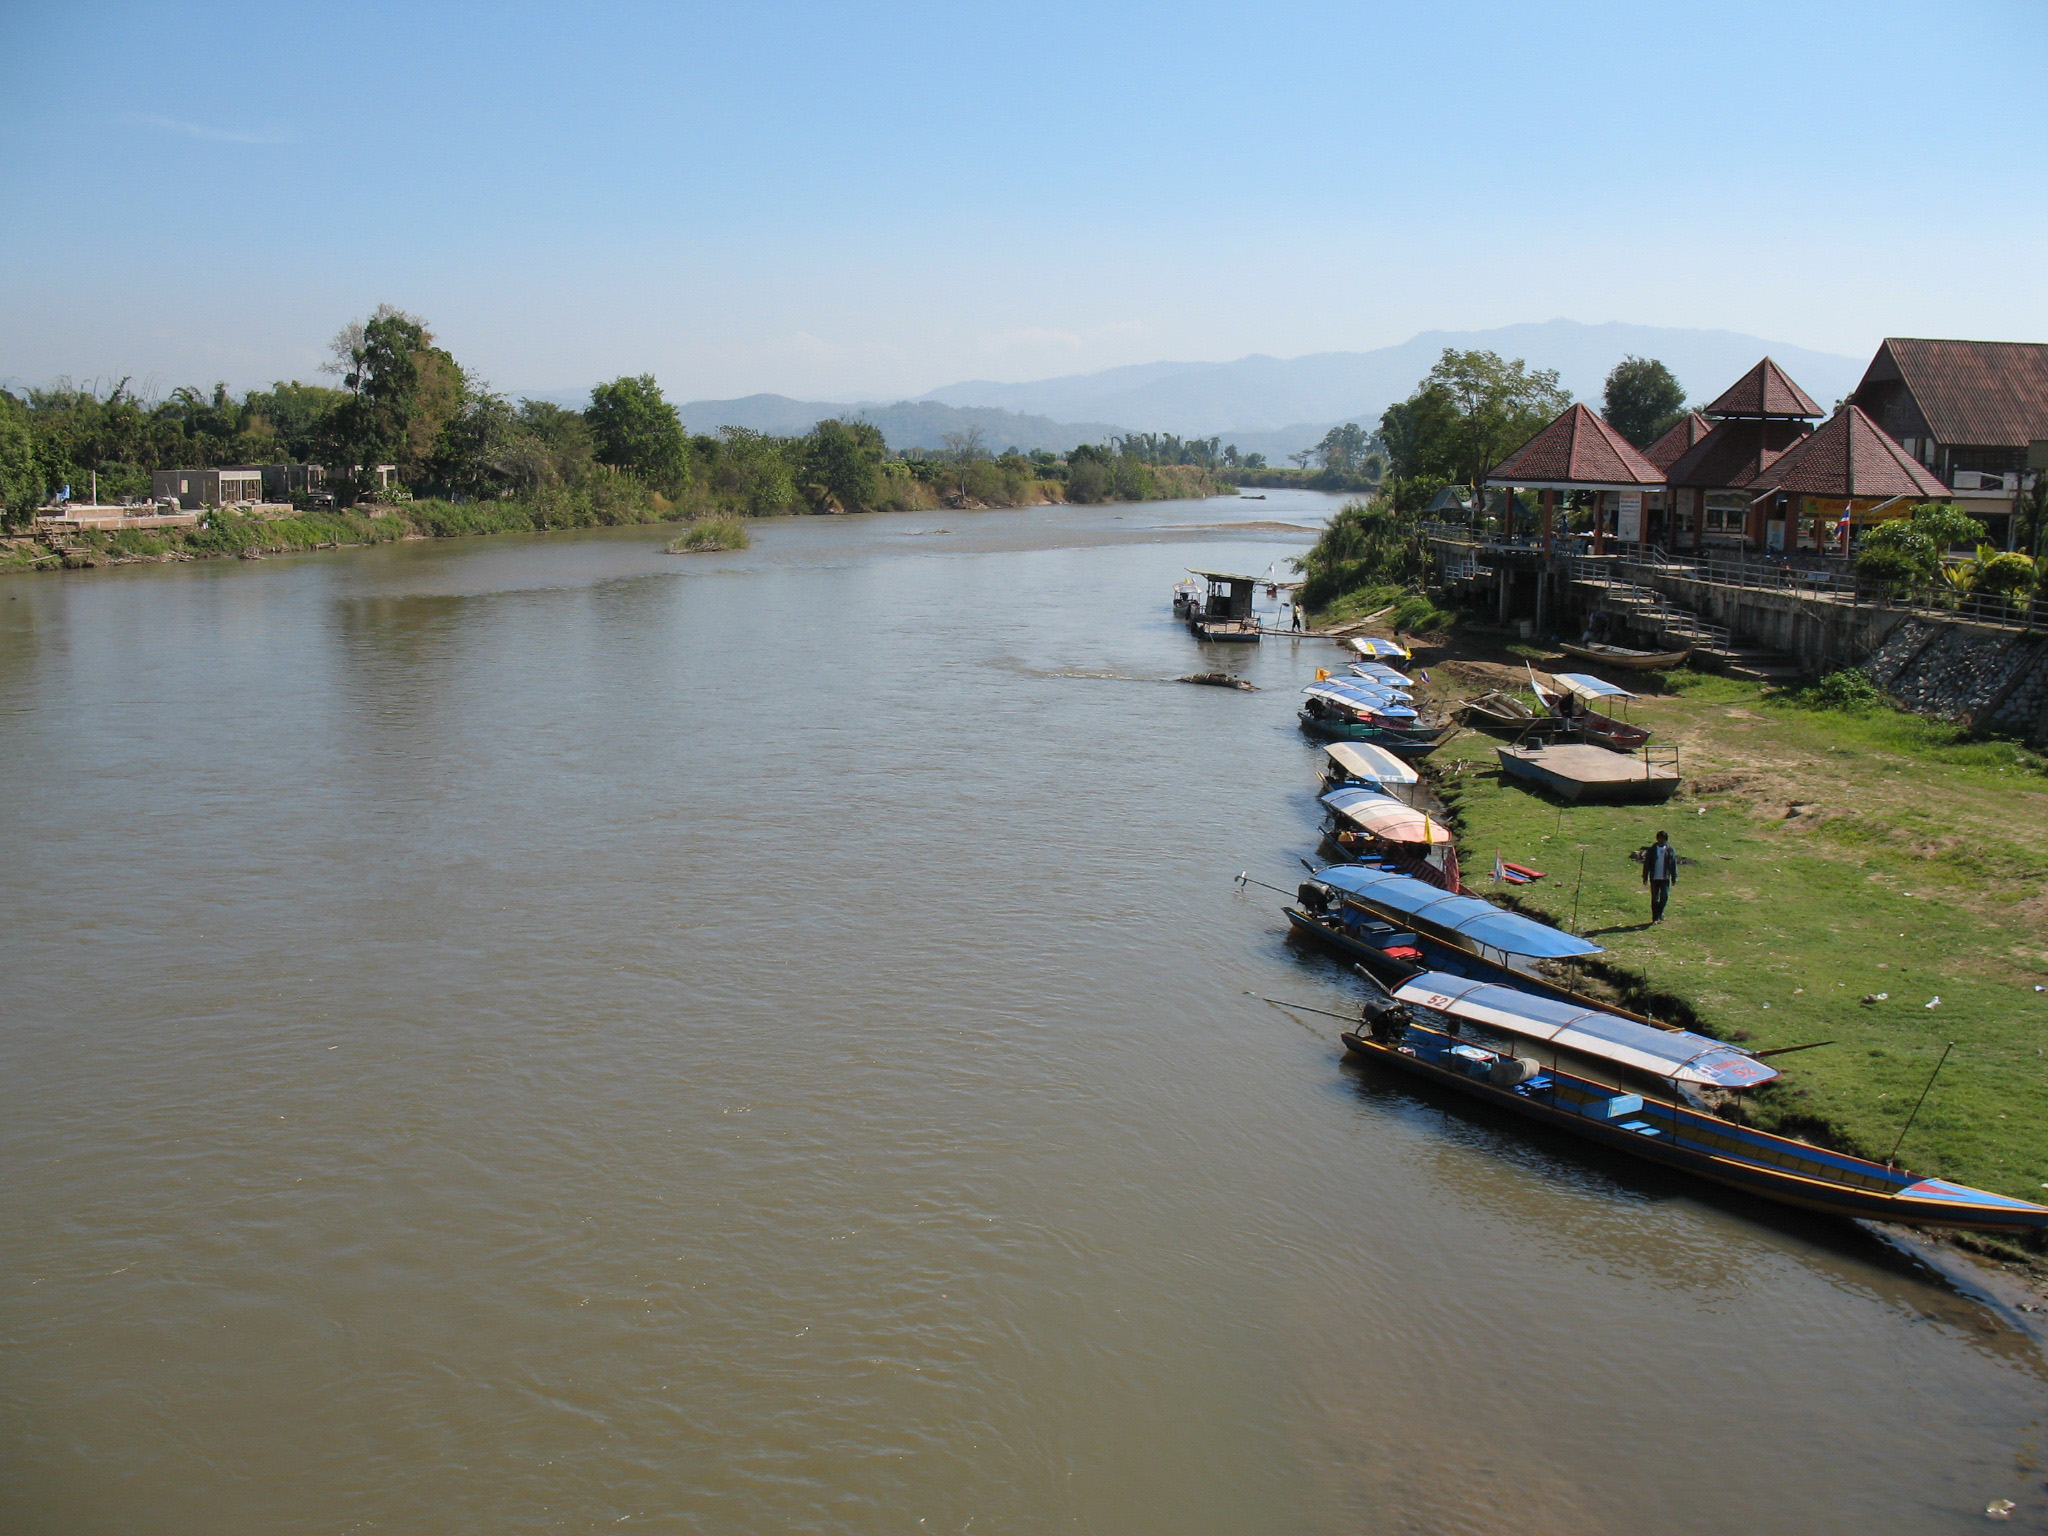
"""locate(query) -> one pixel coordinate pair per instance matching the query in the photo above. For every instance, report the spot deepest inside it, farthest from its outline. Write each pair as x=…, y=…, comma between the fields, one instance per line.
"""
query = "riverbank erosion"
x=1860, y=876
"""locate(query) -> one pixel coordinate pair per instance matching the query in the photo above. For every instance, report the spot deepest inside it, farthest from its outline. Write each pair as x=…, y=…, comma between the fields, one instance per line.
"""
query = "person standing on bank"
x=1660, y=872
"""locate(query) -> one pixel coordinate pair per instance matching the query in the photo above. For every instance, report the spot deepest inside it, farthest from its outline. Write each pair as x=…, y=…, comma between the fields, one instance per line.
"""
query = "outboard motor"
x=1384, y=1021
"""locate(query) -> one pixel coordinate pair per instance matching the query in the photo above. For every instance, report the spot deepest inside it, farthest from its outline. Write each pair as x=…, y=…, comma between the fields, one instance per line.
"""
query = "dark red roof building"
x=1765, y=391
x=1669, y=448
x=1850, y=459
x=1578, y=451
x=1966, y=410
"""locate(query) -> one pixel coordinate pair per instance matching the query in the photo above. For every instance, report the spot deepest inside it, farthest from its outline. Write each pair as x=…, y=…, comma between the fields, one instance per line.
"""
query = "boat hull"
x=1620, y=656
x=1223, y=630
x=1928, y=1209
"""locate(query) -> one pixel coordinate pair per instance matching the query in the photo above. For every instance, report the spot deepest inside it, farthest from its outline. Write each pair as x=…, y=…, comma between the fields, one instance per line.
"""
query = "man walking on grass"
x=1660, y=870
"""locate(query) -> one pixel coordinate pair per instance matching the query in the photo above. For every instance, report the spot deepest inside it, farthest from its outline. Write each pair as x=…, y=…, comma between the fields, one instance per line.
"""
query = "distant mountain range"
x=1270, y=405
x=906, y=424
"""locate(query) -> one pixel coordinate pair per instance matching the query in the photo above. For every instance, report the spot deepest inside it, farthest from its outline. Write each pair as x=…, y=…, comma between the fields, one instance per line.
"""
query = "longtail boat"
x=1396, y=927
x=1359, y=762
x=1623, y=656
x=1643, y=1090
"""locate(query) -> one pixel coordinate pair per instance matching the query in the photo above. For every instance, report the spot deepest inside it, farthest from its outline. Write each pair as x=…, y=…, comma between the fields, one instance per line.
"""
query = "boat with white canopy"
x=1360, y=762
x=1650, y=1092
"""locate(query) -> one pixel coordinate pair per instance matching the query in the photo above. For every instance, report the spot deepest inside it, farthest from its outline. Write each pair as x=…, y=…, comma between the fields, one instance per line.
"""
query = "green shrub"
x=1847, y=689
x=712, y=533
x=2005, y=575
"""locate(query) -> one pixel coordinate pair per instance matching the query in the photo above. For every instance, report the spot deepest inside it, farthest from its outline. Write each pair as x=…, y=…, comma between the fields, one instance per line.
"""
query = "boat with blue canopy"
x=1397, y=926
x=1373, y=648
x=1648, y=1091
x=1377, y=672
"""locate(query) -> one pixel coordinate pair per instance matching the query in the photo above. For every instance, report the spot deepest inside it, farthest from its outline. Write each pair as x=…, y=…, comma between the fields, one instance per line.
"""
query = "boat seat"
x=1640, y=1127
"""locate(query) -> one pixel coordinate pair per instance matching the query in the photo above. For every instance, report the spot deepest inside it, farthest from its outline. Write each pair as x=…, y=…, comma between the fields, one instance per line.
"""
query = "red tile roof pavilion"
x=1765, y=391
x=1578, y=452
x=1850, y=458
x=1672, y=446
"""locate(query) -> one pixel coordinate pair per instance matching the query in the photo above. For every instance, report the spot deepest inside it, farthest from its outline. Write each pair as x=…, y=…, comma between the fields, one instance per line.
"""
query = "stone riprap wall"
x=1981, y=677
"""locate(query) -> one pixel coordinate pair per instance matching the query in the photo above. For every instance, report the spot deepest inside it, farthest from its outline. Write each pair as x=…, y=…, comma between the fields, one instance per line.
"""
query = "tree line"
x=402, y=400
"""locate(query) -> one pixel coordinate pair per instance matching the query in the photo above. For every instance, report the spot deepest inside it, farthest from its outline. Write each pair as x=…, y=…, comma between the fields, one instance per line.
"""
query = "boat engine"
x=1384, y=1021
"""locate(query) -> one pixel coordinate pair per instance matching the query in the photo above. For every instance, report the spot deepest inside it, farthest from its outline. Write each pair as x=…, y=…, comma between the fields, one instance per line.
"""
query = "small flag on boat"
x=1423, y=674
x=1322, y=674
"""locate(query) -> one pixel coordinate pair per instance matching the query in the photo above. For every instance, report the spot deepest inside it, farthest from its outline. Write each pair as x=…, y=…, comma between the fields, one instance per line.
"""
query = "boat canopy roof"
x=1468, y=916
x=1385, y=817
x=1380, y=670
x=1360, y=688
x=1372, y=645
x=1587, y=686
x=1354, y=698
x=1224, y=576
x=1674, y=1053
x=1370, y=762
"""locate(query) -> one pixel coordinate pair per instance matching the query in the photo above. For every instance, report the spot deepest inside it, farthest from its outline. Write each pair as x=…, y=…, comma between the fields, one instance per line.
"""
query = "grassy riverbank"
x=229, y=534
x=1835, y=855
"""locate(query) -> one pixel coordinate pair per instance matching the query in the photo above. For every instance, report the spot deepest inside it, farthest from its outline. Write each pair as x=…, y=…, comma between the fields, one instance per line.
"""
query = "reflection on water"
x=562, y=1035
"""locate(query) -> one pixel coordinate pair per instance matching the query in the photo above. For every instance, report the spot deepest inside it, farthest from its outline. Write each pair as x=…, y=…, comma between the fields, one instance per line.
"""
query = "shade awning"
x=1382, y=817
x=1587, y=686
x=1365, y=761
x=1369, y=645
x=1674, y=1053
x=1224, y=576
x=1463, y=916
x=1379, y=671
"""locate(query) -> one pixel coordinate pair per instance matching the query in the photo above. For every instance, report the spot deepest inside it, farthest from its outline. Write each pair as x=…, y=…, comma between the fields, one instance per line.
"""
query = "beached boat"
x=1576, y=773
x=1573, y=701
x=1379, y=672
x=1359, y=762
x=1645, y=1091
x=1502, y=714
x=1622, y=656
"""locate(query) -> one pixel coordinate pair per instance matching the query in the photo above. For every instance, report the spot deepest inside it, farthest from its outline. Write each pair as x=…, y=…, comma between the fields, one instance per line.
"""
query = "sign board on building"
x=1628, y=523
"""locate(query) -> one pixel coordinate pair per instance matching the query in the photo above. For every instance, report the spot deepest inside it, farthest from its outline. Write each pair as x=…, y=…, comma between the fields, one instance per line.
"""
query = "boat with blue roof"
x=1649, y=1091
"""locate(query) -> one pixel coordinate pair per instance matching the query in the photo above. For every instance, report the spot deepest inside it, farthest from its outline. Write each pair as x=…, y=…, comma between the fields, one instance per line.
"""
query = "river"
x=538, y=1034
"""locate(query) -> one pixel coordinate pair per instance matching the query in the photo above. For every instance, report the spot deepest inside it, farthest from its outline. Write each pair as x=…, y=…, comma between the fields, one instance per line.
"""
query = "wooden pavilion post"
x=1549, y=516
x=1599, y=522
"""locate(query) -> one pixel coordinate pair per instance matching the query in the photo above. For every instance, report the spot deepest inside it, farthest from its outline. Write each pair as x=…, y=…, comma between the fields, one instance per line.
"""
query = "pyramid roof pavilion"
x=1578, y=451
x=1766, y=390
x=1669, y=448
x=1735, y=452
x=1849, y=457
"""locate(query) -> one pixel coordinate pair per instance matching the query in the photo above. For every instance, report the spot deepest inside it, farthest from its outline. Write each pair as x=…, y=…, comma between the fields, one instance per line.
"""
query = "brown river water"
x=543, y=1035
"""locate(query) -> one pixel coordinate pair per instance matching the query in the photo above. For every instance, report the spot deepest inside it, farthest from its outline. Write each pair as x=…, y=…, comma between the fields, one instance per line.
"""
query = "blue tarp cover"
x=1468, y=916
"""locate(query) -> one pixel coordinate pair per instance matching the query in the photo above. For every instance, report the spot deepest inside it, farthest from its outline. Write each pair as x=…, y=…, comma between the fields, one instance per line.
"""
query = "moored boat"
x=1644, y=1090
x=1397, y=926
x=1573, y=703
x=1224, y=609
x=1373, y=648
x=1622, y=656
x=1502, y=714
x=1359, y=762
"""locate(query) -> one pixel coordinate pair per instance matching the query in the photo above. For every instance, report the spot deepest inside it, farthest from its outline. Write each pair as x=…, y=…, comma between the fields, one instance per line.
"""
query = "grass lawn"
x=1831, y=856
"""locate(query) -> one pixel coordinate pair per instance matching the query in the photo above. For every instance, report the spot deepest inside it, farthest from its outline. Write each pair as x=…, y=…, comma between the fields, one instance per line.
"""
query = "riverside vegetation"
x=1849, y=864
x=468, y=460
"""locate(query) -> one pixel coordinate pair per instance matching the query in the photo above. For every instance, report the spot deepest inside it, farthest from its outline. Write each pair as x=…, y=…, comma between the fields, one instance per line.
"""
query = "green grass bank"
x=1834, y=855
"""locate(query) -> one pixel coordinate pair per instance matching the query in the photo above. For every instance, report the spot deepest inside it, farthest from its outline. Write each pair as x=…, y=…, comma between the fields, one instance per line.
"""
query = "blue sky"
x=869, y=200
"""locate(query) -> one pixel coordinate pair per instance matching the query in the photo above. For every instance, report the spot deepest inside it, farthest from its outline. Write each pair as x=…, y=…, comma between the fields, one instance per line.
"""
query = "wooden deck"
x=1578, y=772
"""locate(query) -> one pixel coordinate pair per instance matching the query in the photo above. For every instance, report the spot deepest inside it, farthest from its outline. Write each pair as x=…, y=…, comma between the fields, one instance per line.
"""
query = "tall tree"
x=1642, y=400
x=21, y=471
x=402, y=391
x=842, y=464
x=1344, y=448
x=636, y=429
x=1472, y=411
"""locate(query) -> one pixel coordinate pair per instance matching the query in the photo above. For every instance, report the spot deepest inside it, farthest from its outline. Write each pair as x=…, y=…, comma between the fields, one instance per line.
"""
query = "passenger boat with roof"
x=1374, y=648
x=1575, y=705
x=1360, y=762
x=1397, y=926
x=1648, y=1091
x=1223, y=608
x=1350, y=708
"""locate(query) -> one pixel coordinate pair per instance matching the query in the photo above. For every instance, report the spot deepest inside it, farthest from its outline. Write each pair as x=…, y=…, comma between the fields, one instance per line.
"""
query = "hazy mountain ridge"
x=905, y=424
x=1261, y=394
x=1270, y=405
